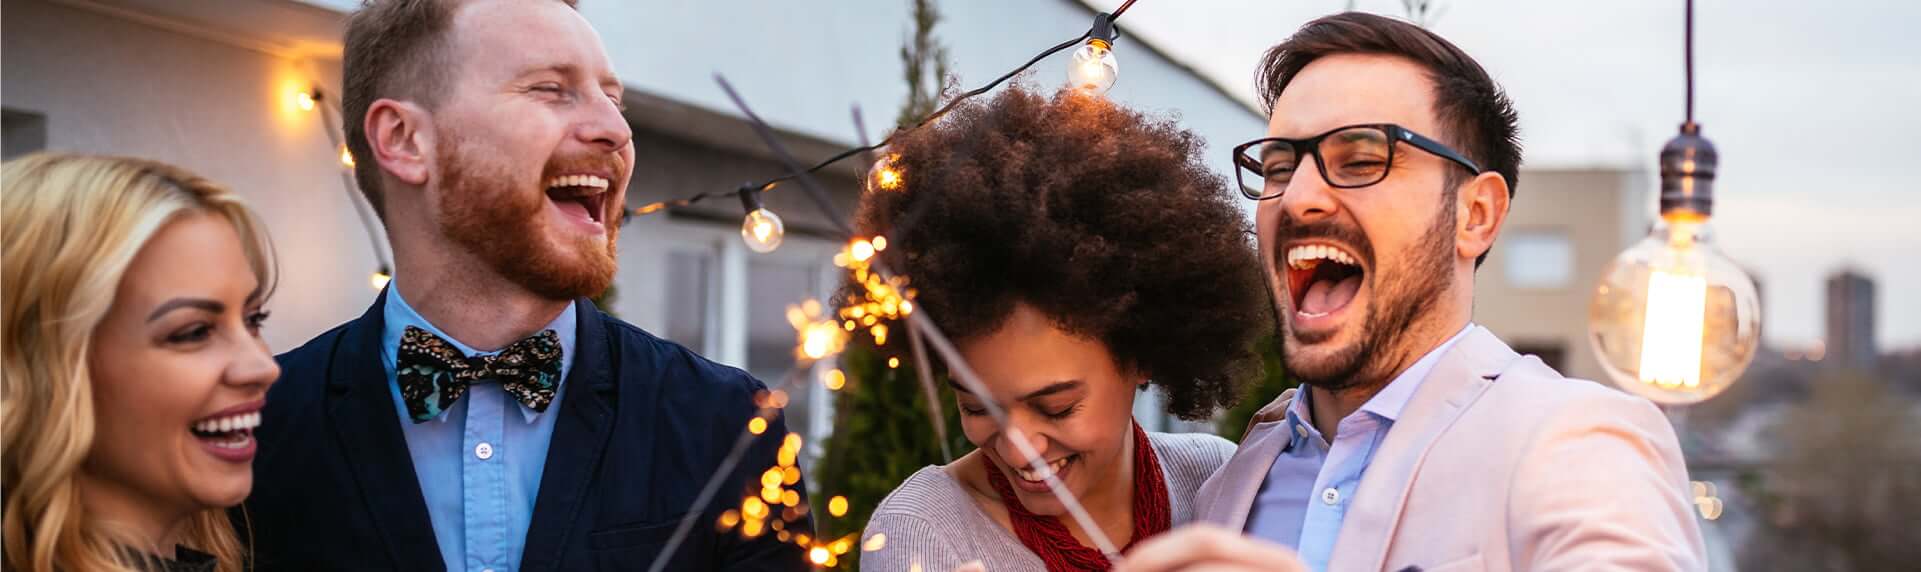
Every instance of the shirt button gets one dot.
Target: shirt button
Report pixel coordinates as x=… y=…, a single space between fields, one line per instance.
x=485 y=451
x=1301 y=430
x=1330 y=496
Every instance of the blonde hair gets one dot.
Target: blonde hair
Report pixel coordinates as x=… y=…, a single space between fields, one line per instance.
x=71 y=226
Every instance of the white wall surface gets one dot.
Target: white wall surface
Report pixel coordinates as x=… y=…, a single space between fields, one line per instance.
x=111 y=85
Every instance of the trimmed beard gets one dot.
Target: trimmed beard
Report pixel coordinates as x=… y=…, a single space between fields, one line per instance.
x=1399 y=298
x=497 y=220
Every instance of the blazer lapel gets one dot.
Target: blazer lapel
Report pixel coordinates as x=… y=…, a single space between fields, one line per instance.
x=360 y=409
x=1461 y=376
x=1240 y=480
x=580 y=438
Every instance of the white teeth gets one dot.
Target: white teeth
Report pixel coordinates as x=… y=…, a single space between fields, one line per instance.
x=239 y=422
x=1305 y=257
x=587 y=181
x=1028 y=473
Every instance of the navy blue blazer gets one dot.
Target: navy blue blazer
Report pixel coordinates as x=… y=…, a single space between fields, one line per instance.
x=643 y=426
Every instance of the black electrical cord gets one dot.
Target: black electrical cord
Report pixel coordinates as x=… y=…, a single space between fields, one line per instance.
x=1101 y=19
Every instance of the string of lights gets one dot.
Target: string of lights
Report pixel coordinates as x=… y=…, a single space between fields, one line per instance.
x=1093 y=69
x=316 y=98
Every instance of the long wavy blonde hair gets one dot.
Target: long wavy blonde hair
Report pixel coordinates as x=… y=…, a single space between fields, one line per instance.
x=71 y=226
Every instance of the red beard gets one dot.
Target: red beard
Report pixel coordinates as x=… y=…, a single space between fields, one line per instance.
x=502 y=223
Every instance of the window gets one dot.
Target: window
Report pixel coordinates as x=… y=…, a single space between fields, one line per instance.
x=689 y=280
x=1539 y=259
x=773 y=284
x=25 y=132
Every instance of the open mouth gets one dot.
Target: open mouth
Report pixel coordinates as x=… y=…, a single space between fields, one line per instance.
x=1322 y=278
x=1035 y=481
x=581 y=197
x=228 y=435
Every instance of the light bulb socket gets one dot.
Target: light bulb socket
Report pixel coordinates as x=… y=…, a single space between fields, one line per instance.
x=1103 y=31
x=750 y=198
x=1687 y=173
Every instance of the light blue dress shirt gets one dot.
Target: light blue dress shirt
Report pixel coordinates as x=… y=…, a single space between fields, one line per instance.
x=1310 y=486
x=479 y=462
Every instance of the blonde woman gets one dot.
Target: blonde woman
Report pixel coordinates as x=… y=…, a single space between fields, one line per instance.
x=134 y=368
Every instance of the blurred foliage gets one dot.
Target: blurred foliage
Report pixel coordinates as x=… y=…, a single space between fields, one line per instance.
x=882 y=433
x=1844 y=491
x=1273 y=381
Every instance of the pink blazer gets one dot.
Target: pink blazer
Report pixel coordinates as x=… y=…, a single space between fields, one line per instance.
x=1498 y=463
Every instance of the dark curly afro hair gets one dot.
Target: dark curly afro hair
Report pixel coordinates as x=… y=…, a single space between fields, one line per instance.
x=1102 y=219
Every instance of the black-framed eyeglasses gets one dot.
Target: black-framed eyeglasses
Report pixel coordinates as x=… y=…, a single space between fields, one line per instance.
x=1348 y=157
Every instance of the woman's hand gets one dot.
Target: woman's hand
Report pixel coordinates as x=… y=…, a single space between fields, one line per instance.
x=1199 y=547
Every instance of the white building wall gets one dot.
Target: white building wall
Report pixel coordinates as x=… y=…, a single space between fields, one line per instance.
x=111 y=85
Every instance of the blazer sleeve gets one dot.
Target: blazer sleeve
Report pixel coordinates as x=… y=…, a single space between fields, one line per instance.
x=1602 y=485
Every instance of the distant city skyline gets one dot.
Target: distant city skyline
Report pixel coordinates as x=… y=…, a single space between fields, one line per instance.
x=1810 y=107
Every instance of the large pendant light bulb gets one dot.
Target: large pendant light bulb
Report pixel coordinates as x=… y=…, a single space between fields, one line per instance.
x=1674 y=320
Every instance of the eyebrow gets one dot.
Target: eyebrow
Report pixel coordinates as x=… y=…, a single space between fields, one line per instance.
x=212 y=306
x=1051 y=389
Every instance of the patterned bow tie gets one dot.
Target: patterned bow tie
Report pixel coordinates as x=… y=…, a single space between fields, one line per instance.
x=433 y=375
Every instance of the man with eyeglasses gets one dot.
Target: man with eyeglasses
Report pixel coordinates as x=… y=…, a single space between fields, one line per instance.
x=1419 y=440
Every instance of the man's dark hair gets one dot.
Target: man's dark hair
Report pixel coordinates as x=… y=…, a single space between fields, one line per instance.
x=1478 y=117
x=394 y=49
x=1105 y=221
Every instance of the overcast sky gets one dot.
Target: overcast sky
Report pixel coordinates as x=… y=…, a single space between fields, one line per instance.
x=1812 y=105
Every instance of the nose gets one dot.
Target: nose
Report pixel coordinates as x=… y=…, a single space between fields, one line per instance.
x=1014 y=453
x=253 y=367
x=604 y=127
x=1308 y=198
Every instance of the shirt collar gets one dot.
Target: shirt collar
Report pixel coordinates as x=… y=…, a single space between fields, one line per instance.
x=1393 y=398
x=1387 y=404
x=398 y=315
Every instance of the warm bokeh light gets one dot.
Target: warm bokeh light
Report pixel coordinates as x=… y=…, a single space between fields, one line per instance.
x=837 y=506
x=836 y=379
x=757 y=426
x=346 y=157
x=379 y=279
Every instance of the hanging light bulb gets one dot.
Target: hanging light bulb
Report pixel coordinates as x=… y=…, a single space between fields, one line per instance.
x=885 y=176
x=346 y=157
x=1673 y=320
x=304 y=100
x=380 y=277
x=1093 y=67
x=761 y=229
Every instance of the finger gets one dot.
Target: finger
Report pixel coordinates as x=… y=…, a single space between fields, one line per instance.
x=1197 y=546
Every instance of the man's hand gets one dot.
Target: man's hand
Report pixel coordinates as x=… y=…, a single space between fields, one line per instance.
x=1201 y=547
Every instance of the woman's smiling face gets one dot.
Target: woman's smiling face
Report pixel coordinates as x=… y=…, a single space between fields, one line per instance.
x=1066 y=394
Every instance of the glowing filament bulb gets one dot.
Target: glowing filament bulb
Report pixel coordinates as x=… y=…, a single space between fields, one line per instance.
x=346 y=157
x=1093 y=68
x=762 y=230
x=304 y=100
x=1671 y=332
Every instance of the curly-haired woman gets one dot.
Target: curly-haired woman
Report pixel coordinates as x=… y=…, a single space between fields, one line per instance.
x=1077 y=253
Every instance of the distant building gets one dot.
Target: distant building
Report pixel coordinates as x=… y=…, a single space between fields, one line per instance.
x=1564 y=226
x=1850 y=334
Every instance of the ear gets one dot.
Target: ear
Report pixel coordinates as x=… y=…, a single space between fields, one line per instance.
x=1480 y=211
x=401 y=136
